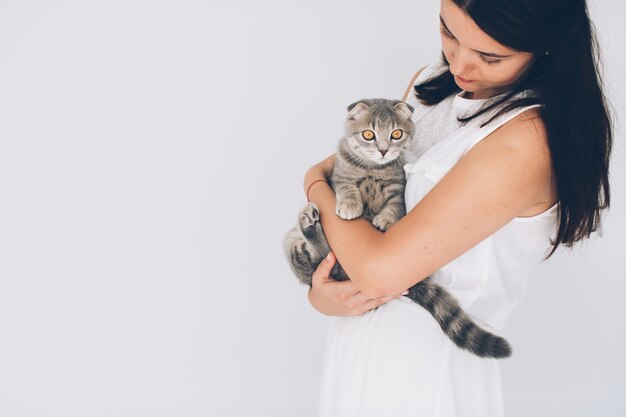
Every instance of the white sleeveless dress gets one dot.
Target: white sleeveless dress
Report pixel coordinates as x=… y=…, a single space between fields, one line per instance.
x=395 y=361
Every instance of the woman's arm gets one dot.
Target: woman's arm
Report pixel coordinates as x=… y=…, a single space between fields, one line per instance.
x=494 y=182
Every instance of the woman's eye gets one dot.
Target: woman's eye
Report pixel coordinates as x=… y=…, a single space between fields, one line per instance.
x=396 y=134
x=445 y=33
x=489 y=62
x=368 y=135
x=448 y=35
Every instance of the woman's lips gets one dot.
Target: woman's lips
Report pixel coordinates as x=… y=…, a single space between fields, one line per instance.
x=463 y=79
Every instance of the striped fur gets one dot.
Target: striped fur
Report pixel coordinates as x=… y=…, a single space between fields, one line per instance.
x=456 y=323
x=369 y=180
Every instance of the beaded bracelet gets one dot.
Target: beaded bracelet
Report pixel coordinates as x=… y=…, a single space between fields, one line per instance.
x=310 y=185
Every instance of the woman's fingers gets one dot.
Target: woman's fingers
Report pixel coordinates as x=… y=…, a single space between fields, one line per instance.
x=327 y=295
x=359 y=303
x=373 y=303
x=322 y=273
x=340 y=298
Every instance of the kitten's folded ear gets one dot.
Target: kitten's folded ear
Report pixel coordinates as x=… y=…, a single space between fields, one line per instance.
x=357 y=108
x=404 y=109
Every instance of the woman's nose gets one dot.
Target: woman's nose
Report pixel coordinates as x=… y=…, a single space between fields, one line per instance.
x=460 y=64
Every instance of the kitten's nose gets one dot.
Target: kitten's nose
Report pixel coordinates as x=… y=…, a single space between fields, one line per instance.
x=383 y=153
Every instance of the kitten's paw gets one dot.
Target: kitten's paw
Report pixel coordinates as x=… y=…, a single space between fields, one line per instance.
x=349 y=209
x=309 y=216
x=383 y=221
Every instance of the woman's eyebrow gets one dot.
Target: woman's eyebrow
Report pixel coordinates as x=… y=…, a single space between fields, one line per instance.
x=489 y=54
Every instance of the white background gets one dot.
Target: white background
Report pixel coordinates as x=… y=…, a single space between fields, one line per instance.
x=151 y=161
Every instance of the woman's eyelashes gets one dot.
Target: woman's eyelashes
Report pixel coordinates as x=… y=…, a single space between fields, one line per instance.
x=448 y=35
x=487 y=61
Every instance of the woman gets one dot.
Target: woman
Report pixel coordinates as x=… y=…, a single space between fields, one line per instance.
x=522 y=139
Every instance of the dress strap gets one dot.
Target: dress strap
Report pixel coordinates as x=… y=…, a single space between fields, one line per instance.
x=485 y=131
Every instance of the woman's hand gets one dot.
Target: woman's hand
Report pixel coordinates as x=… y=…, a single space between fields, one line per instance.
x=340 y=298
x=319 y=171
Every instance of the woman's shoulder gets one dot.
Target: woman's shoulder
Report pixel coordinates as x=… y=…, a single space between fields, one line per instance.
x=524 y=139
x=520 y=127
x=525 y=129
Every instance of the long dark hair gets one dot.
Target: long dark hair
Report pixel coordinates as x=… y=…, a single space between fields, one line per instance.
x=566 y=81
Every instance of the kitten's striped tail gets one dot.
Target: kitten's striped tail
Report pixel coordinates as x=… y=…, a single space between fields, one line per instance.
x=456 y=323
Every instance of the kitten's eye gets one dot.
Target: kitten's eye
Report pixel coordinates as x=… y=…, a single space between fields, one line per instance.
x=367 y=134
x=396 y=134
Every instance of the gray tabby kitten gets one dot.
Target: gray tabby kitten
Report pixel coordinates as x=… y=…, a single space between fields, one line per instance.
x=368 y=179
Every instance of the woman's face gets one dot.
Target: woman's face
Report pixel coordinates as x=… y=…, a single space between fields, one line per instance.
x=478 y=62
